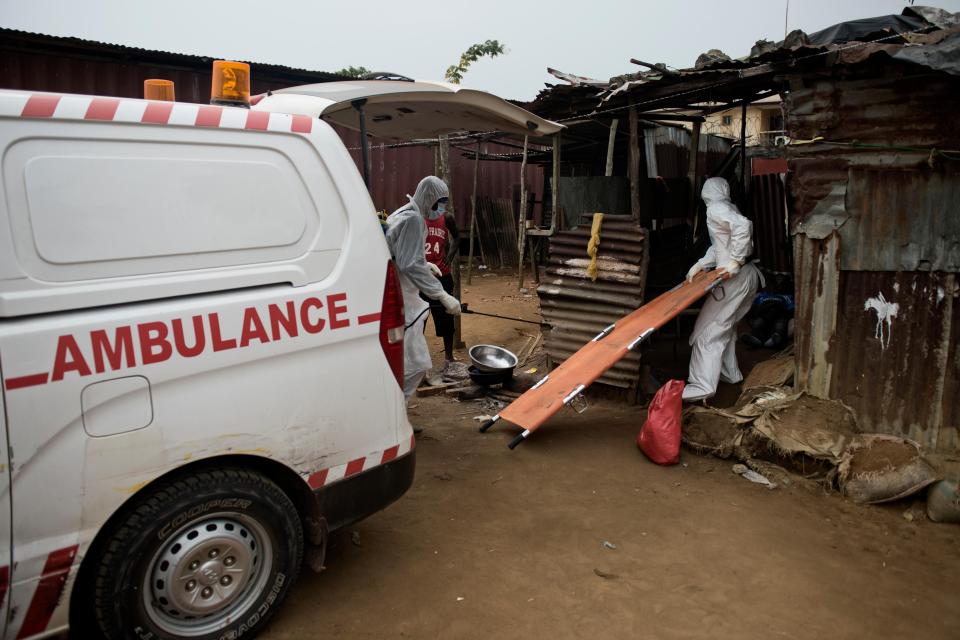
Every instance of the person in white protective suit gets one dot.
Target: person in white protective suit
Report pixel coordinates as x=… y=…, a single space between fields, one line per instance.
x=714 y=337
x=406 y=235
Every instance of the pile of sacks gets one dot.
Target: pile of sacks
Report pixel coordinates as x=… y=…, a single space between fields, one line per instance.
x=774 y=430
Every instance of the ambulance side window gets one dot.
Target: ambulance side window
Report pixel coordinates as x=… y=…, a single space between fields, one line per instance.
x=101 y=202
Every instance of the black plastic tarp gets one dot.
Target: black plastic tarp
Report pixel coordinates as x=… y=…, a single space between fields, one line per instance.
x=943 y=56
x=868 y=29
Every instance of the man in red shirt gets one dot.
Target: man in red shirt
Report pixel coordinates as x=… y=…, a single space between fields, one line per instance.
x=441 y=249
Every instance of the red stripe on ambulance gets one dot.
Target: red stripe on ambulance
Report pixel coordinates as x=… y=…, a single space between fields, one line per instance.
x=328 y=476
x=40 y=106
x=389 y=454
x=257 y=120
x=44 y=105
x=26 y=381
x=354 y=467
x=157 y=113
x=318 y=479
x=302 y=124
x=209 y=116
x=49 y=590
x=368 y=318
x=102 y=109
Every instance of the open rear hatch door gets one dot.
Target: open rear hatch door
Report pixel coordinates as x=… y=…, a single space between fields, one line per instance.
x=408 y=110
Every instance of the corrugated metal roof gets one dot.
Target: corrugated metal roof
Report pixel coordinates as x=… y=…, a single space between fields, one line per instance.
x=728 y=80
x=12 y=38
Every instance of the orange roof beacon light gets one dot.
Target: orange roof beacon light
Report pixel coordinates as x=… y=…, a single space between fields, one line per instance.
x=154 y=89
x=231 y=83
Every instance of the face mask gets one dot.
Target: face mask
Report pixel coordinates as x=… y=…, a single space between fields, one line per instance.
x=439 y=211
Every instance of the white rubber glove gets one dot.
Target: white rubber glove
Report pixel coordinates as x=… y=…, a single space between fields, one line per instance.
x=694 y=270
x=450 y=304
x=434 y=269
x=732 y=268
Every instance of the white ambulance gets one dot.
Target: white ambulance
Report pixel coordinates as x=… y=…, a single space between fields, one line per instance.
x=201 y=353
x=201 y=339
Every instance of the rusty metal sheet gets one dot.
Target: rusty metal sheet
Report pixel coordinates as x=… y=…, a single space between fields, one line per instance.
x=876 y=104
x=576 y=307
x=817 y=283
x=893 y=343
x=902 y=221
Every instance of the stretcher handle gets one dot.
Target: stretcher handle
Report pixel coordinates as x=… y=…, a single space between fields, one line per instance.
x=520 y=438
x=489 y=423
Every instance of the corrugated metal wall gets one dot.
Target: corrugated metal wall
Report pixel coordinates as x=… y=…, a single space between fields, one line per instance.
x=578 y=308
x=877 y=249
x=768 y=211
x=36 y=62
x=890 y=352
x=395 y=172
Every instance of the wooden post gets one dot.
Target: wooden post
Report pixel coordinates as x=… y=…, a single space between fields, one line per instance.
x=522 y=218
x=610 y=145
x=533 y=259
x=692 y=173
x=473 y=214
x=557 y=222
x=444 y=171
x=743 y=158
x=634 y=165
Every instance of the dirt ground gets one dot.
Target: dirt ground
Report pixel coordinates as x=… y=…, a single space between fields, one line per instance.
x=492 y=543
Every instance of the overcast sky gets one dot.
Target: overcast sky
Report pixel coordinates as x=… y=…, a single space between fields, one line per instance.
x=421 y=38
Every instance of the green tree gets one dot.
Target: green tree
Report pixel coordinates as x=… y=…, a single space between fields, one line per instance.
x=353 y=72
x=490 y=48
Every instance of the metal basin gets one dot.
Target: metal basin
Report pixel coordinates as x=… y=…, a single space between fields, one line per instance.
x=487 y=357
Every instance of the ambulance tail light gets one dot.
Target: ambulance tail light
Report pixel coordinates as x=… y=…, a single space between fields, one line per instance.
x=230 y=84
x=155 y=89
x=392 y=323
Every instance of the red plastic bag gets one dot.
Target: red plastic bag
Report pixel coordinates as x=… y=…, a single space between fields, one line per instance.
x=659 y=437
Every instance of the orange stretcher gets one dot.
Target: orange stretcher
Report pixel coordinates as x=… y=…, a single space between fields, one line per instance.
x=562 y=385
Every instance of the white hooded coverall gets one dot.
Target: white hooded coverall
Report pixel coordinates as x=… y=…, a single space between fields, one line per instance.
x=406 y=236
x=714 y=337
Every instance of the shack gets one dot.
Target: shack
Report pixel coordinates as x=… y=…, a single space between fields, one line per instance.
x=872 y=145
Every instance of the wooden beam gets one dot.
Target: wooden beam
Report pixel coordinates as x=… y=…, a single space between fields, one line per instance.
x=670 y=117
x=634 y=168
x=738 y=103
x=610 y=144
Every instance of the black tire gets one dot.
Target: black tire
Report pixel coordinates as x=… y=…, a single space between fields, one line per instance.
x=228 y=509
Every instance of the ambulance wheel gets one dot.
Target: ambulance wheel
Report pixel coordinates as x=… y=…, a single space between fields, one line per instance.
x=209 y=555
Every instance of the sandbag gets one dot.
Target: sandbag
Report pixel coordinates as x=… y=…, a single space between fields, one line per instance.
x=943 y=501
x=709 y=431
x=659 y=438
x=879 y=468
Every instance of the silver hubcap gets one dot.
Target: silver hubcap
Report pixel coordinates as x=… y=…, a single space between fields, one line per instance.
x=207 y=574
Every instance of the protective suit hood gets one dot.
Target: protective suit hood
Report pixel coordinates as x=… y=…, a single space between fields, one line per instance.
x=715 y=191
x=428 y=192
